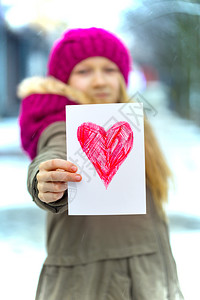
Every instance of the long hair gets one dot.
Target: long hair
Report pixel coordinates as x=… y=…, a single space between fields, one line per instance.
x=156 y=168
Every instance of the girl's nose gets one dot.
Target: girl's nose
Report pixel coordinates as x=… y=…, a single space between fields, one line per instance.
x=99 y=78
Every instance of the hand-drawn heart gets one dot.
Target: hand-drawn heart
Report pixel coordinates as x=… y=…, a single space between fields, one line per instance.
x=106 y=150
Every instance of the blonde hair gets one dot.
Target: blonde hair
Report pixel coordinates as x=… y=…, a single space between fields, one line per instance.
x=156 y=168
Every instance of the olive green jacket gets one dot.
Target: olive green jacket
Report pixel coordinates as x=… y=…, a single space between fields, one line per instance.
x=78 y=240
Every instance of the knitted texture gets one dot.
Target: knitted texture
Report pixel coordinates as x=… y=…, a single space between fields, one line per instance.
x=76 y=45
x=37 y=112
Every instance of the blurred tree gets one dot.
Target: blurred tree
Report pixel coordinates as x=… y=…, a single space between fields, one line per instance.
x=166 y=35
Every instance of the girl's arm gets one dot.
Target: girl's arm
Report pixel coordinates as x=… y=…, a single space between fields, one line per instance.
x=50 y=172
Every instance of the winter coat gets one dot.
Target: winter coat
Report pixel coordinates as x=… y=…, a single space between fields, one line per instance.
x=101 y=257
x=74 y=241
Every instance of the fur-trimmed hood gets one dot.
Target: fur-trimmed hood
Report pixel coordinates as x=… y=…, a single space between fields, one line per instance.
x=50 y=85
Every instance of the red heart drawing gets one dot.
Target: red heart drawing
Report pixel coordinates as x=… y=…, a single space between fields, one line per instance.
x=106 y=150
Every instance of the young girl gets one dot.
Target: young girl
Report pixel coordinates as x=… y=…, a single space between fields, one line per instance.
x=92 y=257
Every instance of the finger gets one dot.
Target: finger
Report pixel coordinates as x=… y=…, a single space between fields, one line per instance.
x=58 y=176
x=50 y=197
x=54 y=164
x=55 y=187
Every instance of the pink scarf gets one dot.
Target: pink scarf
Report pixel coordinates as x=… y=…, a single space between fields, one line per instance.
x=36 y=113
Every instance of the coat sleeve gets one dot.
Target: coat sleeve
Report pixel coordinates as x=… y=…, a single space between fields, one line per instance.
x=52 y=144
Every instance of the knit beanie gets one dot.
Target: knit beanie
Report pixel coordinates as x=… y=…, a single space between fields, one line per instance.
x=76 y=45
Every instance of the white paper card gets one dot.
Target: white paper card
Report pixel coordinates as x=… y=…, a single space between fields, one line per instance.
x=106 y=143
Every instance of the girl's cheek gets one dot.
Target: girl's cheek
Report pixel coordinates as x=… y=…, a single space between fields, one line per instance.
x=83 y=85
x=80 y=84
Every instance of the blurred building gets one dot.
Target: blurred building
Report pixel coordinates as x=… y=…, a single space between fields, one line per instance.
x=22 y=54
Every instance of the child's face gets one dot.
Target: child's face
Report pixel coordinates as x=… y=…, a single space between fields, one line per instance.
x=98 y=78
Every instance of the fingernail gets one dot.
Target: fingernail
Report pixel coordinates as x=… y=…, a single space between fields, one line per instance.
x=78 y=177
x=73 y=168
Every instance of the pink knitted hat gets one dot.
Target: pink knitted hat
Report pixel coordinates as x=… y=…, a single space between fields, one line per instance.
x=76 y=45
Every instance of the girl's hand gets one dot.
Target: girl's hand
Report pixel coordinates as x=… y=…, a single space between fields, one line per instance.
x=53 y=177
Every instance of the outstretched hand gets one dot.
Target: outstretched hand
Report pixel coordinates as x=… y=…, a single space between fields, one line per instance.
x=53 y=177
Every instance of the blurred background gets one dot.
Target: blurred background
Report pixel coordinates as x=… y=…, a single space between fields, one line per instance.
x=164 y=38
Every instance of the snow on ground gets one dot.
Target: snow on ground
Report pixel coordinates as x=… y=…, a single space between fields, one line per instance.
x=22 y=233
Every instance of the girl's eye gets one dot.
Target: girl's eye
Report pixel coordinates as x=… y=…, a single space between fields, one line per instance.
x=83 y=71
x=110 y=70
